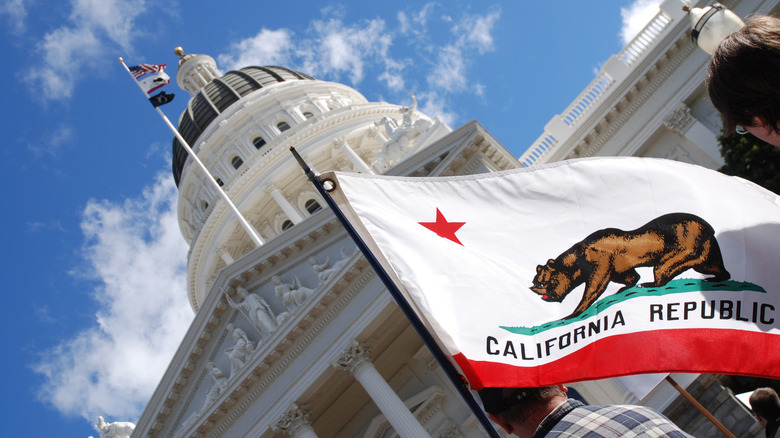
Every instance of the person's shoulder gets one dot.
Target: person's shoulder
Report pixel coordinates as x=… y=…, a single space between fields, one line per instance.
x=640 y=420
x=636 y=411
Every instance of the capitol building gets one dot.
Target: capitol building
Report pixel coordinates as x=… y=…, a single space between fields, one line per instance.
x=295 y=335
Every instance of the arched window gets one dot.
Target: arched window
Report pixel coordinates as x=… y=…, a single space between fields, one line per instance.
x=287 y=224
x=258 y=142
x=312 y=206
x=236 y=162
x=283 y=126
x=219 y=181
x=204 y=205
x=308 y=114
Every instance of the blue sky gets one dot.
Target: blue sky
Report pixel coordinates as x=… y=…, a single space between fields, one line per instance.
x=93 y=260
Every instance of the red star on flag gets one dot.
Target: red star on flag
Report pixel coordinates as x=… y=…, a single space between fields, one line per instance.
x=443 y=228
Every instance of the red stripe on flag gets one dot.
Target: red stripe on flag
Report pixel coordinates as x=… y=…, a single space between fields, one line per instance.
x=709 y=351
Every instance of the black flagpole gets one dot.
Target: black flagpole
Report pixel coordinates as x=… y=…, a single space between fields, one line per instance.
x=459 y=381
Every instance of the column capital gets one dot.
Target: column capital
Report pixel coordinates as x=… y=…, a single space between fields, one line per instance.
x=293 y=421
x=356 y=357
x=680 y=119
x=339 y=142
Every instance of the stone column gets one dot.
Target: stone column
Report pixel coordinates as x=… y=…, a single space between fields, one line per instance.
x=285 y=205
x=341 y=144
x=224 y=254
x=295 y=423
x=204 y=81
x=355 y=360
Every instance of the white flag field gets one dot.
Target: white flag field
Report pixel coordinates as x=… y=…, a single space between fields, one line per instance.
x=583 y=269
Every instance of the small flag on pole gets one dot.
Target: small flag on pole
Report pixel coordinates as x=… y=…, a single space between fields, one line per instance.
x=139 y=70
x=161 y=98
x=581 y=270
x=154 y=81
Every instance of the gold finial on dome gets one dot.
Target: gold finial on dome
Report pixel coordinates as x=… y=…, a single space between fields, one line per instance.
x=178 y=51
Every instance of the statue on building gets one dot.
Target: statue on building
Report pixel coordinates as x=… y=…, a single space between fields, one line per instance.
x=408 y=113
x=324 y=270
x=292 y=295
x=240 y=351
x=219 y=386
x=256 y=309
x=116 y=429
x=399 y=137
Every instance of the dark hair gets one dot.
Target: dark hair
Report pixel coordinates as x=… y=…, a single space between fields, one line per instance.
x=766 y=403
x=742 y=77
x=515 y=404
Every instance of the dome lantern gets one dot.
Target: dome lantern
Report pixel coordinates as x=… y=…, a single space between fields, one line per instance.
x=195 y=71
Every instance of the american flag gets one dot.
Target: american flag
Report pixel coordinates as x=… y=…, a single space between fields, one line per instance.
x=142 y=69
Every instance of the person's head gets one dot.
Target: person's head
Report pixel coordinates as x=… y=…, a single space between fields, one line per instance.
x=765 y=404
x=742 y=79
x=520 y=410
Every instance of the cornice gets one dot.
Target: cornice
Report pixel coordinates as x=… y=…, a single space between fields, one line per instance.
x=586 y=148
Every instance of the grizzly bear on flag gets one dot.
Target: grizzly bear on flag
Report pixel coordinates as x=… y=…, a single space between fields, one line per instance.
x=671 y=244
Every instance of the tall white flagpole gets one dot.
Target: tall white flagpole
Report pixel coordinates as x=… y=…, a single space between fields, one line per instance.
x=246 y=225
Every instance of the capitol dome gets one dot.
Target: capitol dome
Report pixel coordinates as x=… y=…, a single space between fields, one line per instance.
x=216 y=96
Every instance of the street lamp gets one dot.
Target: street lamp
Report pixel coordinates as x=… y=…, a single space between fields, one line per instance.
x=711 y=24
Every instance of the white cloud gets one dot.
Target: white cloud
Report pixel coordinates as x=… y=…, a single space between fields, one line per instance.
x=346 y=48
x=393 y=81
x=417 y=22
x=636 y=16
x=94 y=24
x=268 y=47
x=330 y=49
x=16 y=14
x=115 y=18
x=449 y=73
x=53 y=141
x=137 y=256
x=473 y=32
x=61 y=49
x=434 y=105
x=477 y=31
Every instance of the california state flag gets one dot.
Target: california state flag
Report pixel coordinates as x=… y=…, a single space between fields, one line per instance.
x=583 y=269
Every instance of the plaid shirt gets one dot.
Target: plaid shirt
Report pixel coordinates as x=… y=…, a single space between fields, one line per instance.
x=573 y=419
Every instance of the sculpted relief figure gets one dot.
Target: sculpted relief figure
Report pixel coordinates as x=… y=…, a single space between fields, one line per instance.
x=292 y=295
x=219 y=386
x=325 y=271
x=240 y=351
x=116 y=429
x=256 y=309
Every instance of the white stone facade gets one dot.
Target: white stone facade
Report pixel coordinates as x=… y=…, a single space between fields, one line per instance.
x=291 y=373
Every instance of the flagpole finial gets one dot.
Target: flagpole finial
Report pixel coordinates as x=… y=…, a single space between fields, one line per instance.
x=178 y=51
x=121 y=60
